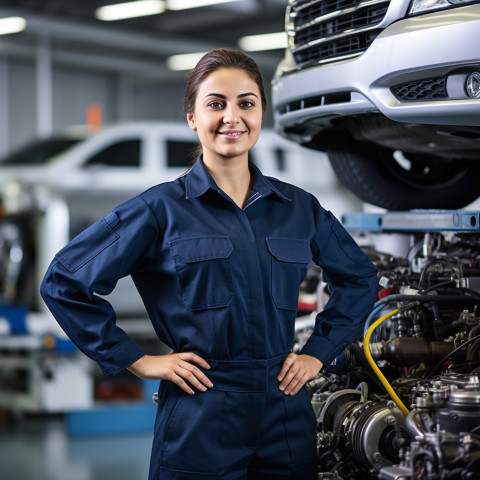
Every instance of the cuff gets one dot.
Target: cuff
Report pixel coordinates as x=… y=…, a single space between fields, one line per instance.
x=322 y=349
x=120 y=357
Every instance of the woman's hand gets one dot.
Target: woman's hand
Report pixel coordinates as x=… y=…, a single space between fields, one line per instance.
x=296 y=371
x=175 y=367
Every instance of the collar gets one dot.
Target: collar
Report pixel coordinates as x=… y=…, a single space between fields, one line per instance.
x=198 y=181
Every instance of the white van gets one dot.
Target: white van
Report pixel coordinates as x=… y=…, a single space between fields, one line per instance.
x=124 y=159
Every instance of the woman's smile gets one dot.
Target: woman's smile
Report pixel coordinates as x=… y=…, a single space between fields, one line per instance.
x=232 y=134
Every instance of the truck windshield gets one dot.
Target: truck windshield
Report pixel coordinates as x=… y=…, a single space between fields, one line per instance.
x=38 y=152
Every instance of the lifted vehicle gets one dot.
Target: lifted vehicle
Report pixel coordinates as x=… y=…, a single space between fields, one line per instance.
x=390 y=90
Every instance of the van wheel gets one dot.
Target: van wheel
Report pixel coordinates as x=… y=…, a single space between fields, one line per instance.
x=399 y=181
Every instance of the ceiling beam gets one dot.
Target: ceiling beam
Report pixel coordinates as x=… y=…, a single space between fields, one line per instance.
x=147 y=51
x=105 y=34
x=138 y=68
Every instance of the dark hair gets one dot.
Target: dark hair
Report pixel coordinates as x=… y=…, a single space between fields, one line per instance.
x=214 y=60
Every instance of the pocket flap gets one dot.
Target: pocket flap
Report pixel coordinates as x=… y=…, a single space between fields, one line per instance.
x=197 y=249
x=291 y=250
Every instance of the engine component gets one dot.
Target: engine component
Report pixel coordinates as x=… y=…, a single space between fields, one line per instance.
x=423 y=340
x=372 y=433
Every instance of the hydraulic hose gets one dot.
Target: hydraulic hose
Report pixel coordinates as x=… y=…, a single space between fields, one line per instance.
x=368 y=355
x=371 y=316
x=428 y=298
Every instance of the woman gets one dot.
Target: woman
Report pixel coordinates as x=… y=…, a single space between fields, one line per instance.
x=218 y=256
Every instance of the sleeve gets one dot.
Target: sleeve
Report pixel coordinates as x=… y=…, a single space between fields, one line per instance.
x=352 y=282
x=90 y=265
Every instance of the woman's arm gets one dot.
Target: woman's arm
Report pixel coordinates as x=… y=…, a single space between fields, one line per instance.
x=89 y=268
x=352 y=282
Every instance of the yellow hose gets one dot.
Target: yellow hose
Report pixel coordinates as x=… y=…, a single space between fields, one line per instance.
x=378 y=373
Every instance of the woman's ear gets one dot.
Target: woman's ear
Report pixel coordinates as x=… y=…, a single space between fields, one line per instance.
x=191 y=121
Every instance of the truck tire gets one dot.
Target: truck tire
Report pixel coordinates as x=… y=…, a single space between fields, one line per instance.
x=373 y=174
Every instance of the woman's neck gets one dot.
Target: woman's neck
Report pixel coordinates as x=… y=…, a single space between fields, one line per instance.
x=232 y=175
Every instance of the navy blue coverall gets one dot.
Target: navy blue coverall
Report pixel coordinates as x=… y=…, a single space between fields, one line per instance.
x=222 y=282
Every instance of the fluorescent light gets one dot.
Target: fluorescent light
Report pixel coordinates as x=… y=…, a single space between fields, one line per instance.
x=138 y=8
x=267 y=41
x=185 y=4
x=186 y=61
x=12 y=25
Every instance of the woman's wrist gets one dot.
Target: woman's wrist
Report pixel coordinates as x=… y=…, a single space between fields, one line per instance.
x=138 y=367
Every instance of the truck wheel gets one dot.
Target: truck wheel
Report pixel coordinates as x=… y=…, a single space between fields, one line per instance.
x=397 y=181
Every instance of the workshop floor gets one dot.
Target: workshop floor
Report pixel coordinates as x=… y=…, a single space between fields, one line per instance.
x=40 y=449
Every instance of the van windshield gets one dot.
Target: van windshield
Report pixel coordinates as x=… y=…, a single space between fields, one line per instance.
x=38 y=152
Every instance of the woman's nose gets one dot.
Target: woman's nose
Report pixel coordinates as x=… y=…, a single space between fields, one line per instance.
x=231 y=115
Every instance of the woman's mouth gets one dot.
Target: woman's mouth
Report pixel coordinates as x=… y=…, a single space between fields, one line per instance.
x=231 y=134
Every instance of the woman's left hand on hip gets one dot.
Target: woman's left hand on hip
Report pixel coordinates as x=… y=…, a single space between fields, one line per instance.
x=296 y=371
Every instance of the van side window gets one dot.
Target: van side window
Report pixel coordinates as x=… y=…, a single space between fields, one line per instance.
x=180 y=153
x=280 y=159
x=121 y=154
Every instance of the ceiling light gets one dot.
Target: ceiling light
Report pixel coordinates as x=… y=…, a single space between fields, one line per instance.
x=186 y=61
x=185 y=4
x=267 y=41
x=12 y=25
x=138 y=8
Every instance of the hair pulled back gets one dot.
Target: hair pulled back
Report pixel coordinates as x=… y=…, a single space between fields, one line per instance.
x=215 y=60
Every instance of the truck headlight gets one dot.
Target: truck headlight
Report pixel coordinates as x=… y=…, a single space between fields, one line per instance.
x=422 y=6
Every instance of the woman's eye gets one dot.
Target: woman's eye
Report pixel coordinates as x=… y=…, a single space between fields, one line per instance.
x=247 y=104
x=215 y=104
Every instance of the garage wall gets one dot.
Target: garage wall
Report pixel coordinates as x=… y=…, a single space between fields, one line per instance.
x=151 y=102
x=122 y=98
x=21 y=108
x=74 y=91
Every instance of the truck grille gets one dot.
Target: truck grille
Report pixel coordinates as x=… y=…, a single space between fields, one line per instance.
x=327 y=30
x=427 y=89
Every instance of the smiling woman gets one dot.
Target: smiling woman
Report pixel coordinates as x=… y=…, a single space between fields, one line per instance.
x=228 y=119
x=224 y=102
x=218 y=256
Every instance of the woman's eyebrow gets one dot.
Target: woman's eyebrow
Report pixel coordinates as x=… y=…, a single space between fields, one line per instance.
x=241 y=95
x=246 y=95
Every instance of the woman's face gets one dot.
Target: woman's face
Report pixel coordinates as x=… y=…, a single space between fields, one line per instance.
x=228 y=114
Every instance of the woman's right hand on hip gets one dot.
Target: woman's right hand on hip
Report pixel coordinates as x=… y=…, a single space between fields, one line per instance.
x=178 y=368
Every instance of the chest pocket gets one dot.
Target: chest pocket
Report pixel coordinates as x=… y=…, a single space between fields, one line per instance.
x=290 y=259
x=204 y=271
